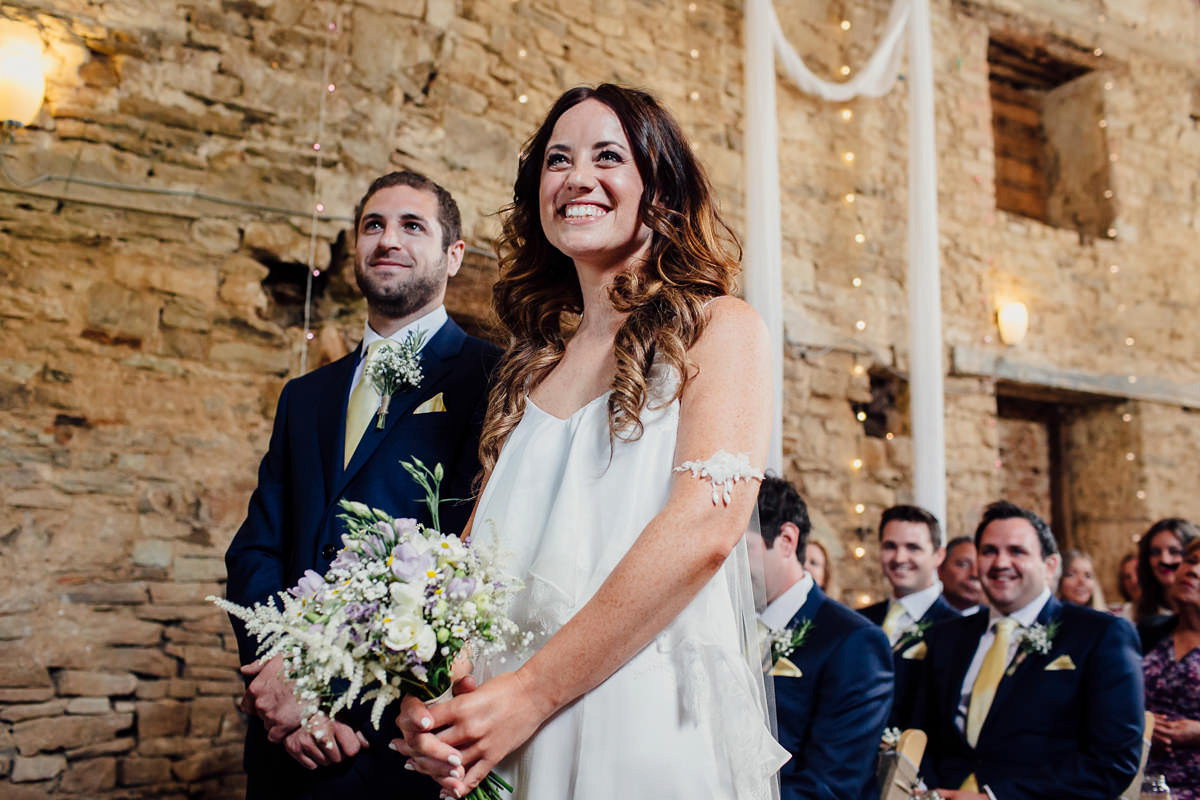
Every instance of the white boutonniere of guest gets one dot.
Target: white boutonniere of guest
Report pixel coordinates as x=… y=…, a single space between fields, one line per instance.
x=1037 y=638
x=889 y=739
x=723 y=470
x=395 y=366
x=911 y=634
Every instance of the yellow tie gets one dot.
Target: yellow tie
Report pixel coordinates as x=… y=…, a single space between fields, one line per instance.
x=984 y=690
x=364 y=401
x=891 y=623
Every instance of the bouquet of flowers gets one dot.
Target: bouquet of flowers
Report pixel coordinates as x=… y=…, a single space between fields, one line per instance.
x=398 y=604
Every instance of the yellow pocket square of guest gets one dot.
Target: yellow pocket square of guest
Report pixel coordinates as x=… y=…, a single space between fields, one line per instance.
x=432 y=405
x=916 y=652
x=784 y=668
x=1062 y=662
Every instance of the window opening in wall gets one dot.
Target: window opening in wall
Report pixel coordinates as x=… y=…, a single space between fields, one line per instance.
x=886 y=412
x=1049 y=133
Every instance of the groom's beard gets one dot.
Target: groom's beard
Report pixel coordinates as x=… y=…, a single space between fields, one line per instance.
x=401 y=299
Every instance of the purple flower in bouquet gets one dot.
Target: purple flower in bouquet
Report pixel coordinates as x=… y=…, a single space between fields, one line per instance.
x=309 y=586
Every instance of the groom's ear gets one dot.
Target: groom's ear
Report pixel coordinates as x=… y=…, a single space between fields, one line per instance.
x=788 y=538
x=454 y=257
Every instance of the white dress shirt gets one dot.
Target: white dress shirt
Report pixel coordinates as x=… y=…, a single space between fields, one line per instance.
x=915 y=605
x=779 y=612
x=430 y=324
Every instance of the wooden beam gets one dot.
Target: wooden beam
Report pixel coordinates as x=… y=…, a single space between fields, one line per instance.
x=970 y=361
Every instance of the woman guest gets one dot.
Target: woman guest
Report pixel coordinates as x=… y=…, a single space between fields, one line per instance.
x=1127 y=585
x=622 y=447
x=817 y=564
x=1078 y=584
x=1172 y=672
x=1160 y=551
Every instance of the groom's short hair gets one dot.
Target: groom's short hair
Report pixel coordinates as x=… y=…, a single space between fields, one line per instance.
x=449 y=217
x=779 y=502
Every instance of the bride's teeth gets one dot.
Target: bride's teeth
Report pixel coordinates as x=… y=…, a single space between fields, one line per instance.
x=584 y=211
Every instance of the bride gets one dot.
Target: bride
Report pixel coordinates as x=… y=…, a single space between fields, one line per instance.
x=622 y=443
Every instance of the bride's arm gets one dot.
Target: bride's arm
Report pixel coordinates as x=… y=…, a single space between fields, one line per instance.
x=726 y=406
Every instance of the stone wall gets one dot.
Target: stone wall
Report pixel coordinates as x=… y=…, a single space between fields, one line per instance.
x=144 y=337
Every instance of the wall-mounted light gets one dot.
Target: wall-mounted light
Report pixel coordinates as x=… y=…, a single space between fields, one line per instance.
x=1012 y=318
x=22 y=83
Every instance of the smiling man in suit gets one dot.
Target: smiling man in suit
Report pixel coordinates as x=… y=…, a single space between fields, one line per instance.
x=333 y=441
x=910 y=552
x=833 y=678
x=1034 y=699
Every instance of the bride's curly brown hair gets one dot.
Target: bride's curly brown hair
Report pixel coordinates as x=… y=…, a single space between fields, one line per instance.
x=693 y=257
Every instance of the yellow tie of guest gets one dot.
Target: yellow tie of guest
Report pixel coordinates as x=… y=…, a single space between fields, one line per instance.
x=984 y=690
x=364 y=402
x=891 y=623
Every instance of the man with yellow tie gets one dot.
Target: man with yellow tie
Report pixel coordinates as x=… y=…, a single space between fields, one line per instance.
x=416 y=388
x=910 y=551
x=1035 y=700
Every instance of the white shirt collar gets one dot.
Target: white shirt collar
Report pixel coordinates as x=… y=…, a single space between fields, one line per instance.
x=430 y=323
x=917 y=603
x=779 y=612
x=1024 y=616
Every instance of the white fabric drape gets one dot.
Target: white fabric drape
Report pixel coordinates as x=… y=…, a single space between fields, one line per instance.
x=764 y=287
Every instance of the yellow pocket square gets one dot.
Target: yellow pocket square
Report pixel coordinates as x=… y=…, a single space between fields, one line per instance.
x=1062 y=662
x=916 y=652
x=431 y=406
x=783 y=668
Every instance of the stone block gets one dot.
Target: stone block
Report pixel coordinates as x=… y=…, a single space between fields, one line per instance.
x=140 y=771
x=35 y=695
x=199 y=656
x=152 y=553
x=98 y=594
x=193 y=568
x=36 y=768
x=22 y=672
x=19 y=713
x=216 y=235
x=121 y=315
x=116 y=746
x=213 y=761
x=187 y=313
x=270 y=360
x=89 y=776
x=206 y=714
x=161 y=718
x=54 y=733
x=89 y=705
x=95 y=684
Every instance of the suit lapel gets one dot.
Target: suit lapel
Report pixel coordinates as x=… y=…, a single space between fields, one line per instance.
x=963 y=653
x=331 y=418
x=1031 y=664
x=437 y=359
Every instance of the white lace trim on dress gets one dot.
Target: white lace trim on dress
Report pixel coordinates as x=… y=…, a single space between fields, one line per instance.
x=723 y=470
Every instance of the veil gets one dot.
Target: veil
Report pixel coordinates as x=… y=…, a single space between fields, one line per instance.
x=748 y=589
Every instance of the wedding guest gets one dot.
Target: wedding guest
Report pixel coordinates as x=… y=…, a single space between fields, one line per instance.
x=1127 y=585
x=960 y=578
x=1172 y=671
x=910 y=552
x=633 y=376
x=817 y=564
x=832 y=671
x=1036 y=698
x=1078 y=584
x=325 y=448
x=1160 y=551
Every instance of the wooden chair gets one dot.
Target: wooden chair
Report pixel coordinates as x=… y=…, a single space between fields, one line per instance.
x=1134 y=792
x=897 y=771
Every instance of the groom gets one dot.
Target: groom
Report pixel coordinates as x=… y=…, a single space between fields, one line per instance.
x=326 y=446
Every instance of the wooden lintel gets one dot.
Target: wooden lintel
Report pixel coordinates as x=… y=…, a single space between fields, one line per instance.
x=968 y=361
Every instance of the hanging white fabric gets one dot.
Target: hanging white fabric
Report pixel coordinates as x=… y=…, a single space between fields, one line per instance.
x=763 y=257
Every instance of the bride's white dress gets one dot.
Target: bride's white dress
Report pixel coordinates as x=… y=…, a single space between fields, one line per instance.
x=685 y=717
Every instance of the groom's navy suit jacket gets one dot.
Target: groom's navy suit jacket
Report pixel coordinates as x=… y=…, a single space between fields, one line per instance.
x=291 y=525
x=1064 y=724
x=831 y=717
x=906 y=667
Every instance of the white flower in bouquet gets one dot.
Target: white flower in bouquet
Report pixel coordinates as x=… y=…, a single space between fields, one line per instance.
x=397 y=605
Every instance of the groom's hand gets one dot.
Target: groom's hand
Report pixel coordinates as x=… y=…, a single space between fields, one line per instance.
x=269 y=697
x=329 y=742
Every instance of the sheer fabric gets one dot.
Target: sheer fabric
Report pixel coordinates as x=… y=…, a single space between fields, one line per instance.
x=687 y=715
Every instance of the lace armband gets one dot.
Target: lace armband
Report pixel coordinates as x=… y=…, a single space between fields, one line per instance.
x=723 y=470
